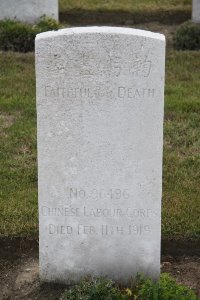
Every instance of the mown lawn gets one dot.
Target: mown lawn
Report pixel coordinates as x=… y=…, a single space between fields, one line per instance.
x=125 y=5
x=181 y=188
x=18 y=171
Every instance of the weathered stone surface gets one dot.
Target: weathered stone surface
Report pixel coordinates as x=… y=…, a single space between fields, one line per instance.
x=196 y=11
x=28 y=11
x=100 y=93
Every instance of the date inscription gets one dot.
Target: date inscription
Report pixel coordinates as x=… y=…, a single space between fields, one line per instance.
x=102 y=230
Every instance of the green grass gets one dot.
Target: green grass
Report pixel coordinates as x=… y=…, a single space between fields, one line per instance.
x=18 y=172
x=100 y=288
x=125 y=5
x=181 y=194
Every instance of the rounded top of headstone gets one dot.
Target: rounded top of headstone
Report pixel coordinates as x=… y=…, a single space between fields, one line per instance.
x=100 y=29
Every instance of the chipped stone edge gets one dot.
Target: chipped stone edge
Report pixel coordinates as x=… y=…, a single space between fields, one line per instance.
x=101 y=29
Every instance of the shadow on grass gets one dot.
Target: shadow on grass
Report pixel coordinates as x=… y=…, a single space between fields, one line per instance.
x=120 y=17
x=12 y=247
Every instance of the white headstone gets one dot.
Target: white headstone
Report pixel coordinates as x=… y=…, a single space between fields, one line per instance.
x=29 y=11
x=196 y=11
x=100 y=93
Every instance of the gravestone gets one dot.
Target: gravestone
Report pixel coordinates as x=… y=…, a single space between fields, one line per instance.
x=100 y=93
x=29 y=11
x=196 y=11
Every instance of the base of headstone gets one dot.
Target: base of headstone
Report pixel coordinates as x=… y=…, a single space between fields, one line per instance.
x=29 y=11
x=196 y=11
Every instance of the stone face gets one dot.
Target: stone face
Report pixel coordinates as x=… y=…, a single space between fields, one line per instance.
x=196 y=11
x=28 y=10
x=100 y=93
